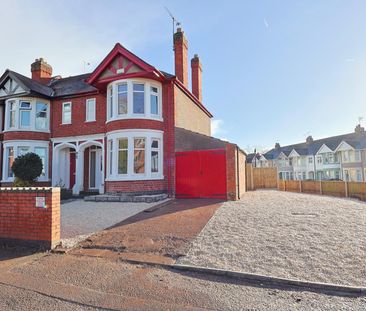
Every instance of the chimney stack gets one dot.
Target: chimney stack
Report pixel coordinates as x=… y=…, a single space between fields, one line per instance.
x=181 y=56
x=359 y=129
x=277 y=146
x=309 y=139
x=196 y=67
x=41 y=71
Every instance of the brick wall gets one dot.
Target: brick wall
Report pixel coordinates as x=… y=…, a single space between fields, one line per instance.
x=188 y=115
x=22 y=223
x=236 y=176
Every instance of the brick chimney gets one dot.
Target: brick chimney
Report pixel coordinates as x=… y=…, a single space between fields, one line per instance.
x=41 y=71
x=181 y=56
x=196 y=67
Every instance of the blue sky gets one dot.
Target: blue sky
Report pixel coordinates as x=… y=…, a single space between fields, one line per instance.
x=272 y=70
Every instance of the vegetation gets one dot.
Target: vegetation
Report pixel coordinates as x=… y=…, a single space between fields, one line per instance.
x=27 y=168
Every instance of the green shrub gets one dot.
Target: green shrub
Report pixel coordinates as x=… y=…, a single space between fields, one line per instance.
x=27 y=168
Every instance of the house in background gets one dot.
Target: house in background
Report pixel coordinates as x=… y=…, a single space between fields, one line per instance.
x=340 y=157
x=112 y=130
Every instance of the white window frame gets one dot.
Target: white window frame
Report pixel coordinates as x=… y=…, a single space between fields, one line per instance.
x=28 y=110
x=90 y=114
x=33 y=114
x=149 y=135
x=63 y=112
x=112 y=100
x=31 y=144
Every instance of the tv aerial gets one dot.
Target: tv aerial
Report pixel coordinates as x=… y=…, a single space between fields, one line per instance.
x=175 y=22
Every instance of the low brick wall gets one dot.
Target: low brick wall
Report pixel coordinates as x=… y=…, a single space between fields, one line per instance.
x=30 y=217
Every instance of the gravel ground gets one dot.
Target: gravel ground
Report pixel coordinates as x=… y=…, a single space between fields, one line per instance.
x=307 y=237
x=83 y=218
x=163 y=289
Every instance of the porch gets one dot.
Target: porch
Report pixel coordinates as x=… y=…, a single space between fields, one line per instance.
x=79 y=165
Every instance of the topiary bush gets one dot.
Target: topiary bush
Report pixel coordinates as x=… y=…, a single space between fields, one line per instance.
x=27 y=168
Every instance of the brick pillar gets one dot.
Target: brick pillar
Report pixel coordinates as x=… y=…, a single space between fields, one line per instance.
x=196 y=67
x=181 y=56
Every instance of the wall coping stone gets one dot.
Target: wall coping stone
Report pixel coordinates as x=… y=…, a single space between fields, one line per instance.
x=30 y=189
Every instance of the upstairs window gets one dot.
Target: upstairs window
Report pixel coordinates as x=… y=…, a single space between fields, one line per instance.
x=310 y=160
x=66 y=113
x=90 y=110
x=41 y=116
x=135 y=99
x=25 y=114
x=154 y=100
x=122 y=99
x=12 y=112
x=138 y=98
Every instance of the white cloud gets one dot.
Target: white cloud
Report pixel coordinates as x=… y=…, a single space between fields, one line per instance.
x=66 y=34
x=216 y=127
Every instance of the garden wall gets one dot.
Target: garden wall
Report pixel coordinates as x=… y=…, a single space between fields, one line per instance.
x=30 y=217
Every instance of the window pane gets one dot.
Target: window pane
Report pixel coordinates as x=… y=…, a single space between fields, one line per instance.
x=155 y=144
x=139 y=155
x=139 y=143
x=110 y=157
x=122 y=161
x=154 y=161
x=25 y=105
x=138 y=87
x=25 y=118
x=90 y=110
x=22 y=150
x=138 y=102
x=122 y=103
x=10 y=154
x=123 y=143
x=139 y=161
x=42 y=153
x=154 y=104
x=122 y=88
x=41 y=116
x=111 y=102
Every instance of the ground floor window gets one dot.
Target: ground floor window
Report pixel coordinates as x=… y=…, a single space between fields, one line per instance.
x=14 y=149
x=135 y=155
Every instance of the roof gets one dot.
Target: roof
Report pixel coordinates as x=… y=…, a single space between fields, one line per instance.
x=71 y=86
x=356 y=139
x=250 y=157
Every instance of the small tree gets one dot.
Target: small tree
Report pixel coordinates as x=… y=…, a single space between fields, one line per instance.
x=27 y=168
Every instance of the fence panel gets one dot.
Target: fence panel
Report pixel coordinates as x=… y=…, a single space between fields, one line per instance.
x=357 y=190
x=293 y=185
x=261 y=177
x=311 y=186
x=334 y=188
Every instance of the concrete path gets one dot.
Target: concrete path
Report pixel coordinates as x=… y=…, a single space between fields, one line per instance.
x=81 y=218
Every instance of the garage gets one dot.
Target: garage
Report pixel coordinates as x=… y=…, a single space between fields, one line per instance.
x=201 y=174
x=207 y=167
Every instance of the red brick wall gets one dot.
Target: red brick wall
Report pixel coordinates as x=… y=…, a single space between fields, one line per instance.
x=21 y=222
x=26 y=135
x=138 y=186
x=78 y=126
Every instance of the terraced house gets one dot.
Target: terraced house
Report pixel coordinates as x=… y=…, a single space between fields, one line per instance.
x=340 y=157
x=111 y=130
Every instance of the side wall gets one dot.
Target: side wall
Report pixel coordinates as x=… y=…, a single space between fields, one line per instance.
x=189 y=116
x=23 y=223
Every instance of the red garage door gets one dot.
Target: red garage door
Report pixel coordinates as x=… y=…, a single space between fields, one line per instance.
x=201 y=174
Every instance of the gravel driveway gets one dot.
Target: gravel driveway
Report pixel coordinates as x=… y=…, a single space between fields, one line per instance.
x=307 y=237
x=80 y=218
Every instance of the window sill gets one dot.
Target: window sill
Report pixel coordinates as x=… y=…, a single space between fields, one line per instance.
x=26 y=130
x=90 y=121
x=134 y=178
x=143 y=117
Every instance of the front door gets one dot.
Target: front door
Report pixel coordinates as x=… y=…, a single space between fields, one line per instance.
x=95 y=169
x=72 y=169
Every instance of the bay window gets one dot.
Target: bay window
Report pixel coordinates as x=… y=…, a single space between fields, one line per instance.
x=135 y=155
x=16 y=148
x=27 y=114
x=134 y=98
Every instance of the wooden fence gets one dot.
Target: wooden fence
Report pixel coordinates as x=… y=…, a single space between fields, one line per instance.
x=332 y=188
x=261 y=177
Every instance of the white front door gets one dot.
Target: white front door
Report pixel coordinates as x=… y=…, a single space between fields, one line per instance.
x=95 y=169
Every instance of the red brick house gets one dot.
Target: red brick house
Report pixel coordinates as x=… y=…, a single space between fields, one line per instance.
x=112 y=130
